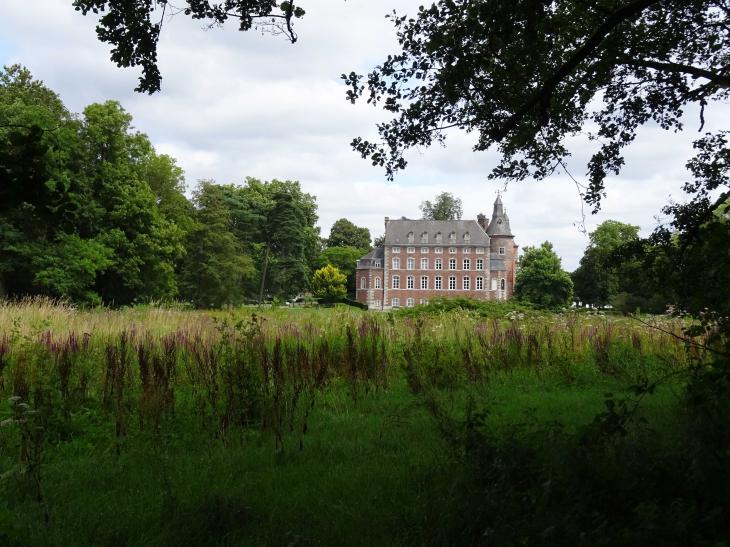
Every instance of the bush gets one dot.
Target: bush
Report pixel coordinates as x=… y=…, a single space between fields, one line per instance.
x=488 y=308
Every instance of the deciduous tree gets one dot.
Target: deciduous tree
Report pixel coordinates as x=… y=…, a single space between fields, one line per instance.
x=541 y=279
x=444 y=207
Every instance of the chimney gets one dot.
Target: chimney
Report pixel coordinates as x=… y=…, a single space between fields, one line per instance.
x=386 y=222
x=482 y=221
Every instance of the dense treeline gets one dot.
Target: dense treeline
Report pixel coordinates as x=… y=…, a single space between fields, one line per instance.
x=91 y=212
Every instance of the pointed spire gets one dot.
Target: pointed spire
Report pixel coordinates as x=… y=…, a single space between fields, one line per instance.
x=499 y=226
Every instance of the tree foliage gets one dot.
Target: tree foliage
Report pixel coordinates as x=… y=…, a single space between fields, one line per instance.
x=444 y=207
x=133 y=29
x=345 y=233
x=328 y=283
x=526 y=75
x=541 y=279
x=345 y=260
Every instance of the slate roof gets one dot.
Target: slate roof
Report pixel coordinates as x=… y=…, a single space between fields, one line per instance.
x=367 y=261
x=397 y=230
x=499 y=225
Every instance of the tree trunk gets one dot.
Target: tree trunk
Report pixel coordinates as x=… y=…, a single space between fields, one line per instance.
x=263 y=275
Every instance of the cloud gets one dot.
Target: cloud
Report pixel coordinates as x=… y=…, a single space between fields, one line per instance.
x=240 y=104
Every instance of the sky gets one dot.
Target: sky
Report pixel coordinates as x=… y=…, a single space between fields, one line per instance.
x=235 y=105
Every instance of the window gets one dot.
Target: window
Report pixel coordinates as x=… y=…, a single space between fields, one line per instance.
x=438 y=250
x=424 y=237
x=467 y=264
x=452 y=263
x=452 y=283
x=438 y=237
x=466 y=283
x=501 y=284
x=396 y=302
x=424 y=263
x=480 y=264
x=467 y=237
x=437 y=283
x=377 y=263
x=424 y=282
x=438 y=264
x=452 y=237
x=396 y=263
x=409 y=302
x=376 y=303
x=377 y=282
x=480 y=250
x=410 y=237
x=411 y=250
x=411 y=262
x=480 y=284
x=424 y=250
x=501 y=250
x=395 y=283
x=494 y=284
x=466 y=250
x=363 y=283
x=410 y=282
x=452 y=250
x=423 y=301
x=396 y=249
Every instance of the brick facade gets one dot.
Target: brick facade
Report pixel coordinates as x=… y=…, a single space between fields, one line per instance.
x=424 y=259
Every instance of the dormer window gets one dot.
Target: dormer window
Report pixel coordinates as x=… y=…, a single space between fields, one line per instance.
x=467 y=237
x=410 y=237
x=452 y=237
x=438 y=237
x=424 y=237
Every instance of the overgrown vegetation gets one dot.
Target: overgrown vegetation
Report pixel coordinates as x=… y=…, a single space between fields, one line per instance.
x=452 y=425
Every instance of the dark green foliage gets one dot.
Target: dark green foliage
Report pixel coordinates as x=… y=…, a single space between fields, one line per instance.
x=133 y=30
x=345 y=234
x=541 y=279
x=489 y=308
x=444 y=207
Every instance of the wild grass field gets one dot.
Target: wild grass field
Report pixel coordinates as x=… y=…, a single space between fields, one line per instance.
x=160 y=426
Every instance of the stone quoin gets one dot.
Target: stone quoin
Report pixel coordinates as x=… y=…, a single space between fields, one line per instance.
x=423 y=259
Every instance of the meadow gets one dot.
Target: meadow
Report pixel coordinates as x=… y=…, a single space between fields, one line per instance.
x=163 y=426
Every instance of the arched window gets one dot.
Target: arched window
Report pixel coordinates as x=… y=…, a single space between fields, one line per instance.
x=502 y=284
x=410 y=237
x=377 y=282
x=363 y=283
x=467 y=237
x=424 y=237
x=438 y=237
x=452 y=237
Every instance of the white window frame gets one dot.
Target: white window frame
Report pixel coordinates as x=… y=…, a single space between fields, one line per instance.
x=377 y=263
x=502 y=284
x=423 y=301
x=438 y=282
x=480 y=250
x=466 y=283
x=424 y=250
x=410 y=302
x=411 y=263
x=424 y=237
x=410 y=250
x=411 y=237
x=439 y=237
x=377 y=282
x=363 y=282
x=396 y=263
x=410 y=282
x=438 y=264
x=480 y=264
x=424 y=282
x=395 y=303
x=501 y=250
x=467 y=237
x=395 y=250
x=395 y=282
x=424 y=263
x=479 y=285
x=452 y=282
x=452 y=237
x=452 y=250
x=439 y=250
x=452 y=264
x=466 y=250
x=466 y=264
x=494 y=283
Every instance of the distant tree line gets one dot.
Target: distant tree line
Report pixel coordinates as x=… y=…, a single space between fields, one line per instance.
x=89 y=211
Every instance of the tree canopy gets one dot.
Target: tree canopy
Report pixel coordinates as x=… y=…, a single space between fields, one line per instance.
x=541 y=279
x=345 y=233
x=133 y=29
x=526 y=75
x=444 y=207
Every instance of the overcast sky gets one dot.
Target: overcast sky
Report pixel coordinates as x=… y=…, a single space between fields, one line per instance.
x=241 y=104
